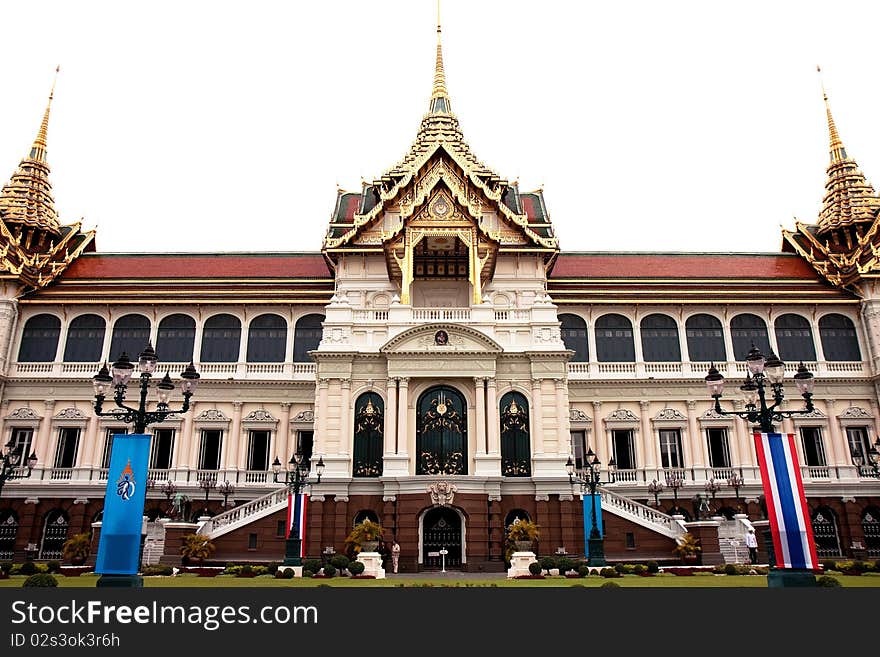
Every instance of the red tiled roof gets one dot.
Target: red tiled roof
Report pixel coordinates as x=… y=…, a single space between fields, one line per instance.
x=528 y=206
x=669 y=265
x=220 y=265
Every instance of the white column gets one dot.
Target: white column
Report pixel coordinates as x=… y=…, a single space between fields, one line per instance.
x=230 y=459
x=88 y=449
x=8 y=324
x=481 y=435
x=45 y=453
x=492 y=424
x=345 y=418
x=563 y=437
x=650 y=447
x=282 y=435
x=194 y=436
x=390 y=428
x=743 y=437
x=599 y=442
x=537 y=418
x=837 y=447
x=320 y=440
x=698 y=445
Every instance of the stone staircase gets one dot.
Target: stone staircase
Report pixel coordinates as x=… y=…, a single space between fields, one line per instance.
x=154 y=544
x=641 y=514
x=245 y=514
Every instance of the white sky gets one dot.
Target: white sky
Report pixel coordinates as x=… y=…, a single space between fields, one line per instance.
x=221 y=126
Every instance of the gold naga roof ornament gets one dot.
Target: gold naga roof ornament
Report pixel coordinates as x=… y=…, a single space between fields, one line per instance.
x=842 y=245
x=36 y=247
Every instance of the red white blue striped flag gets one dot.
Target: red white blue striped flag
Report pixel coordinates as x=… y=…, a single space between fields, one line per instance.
x=296 y=513
x=790 y=524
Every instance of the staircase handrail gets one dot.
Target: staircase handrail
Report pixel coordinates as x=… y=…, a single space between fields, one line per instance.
x=244 y=511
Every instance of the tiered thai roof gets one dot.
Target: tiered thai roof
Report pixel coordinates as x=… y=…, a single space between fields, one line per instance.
x=34 y=247
x=843 y=245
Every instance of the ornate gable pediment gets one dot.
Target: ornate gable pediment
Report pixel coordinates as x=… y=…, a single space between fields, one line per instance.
x=442 y=340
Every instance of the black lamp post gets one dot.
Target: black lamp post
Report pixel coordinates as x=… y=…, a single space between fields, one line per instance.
x=762 y=372
x=871 y=460
x=674 y=482
x=11 y=465
x=122 y=371
x=736 y=482
x=589 y=477
x=655 y=488
x=206 y=484
x=226 y=489
x=712 y=487
x=296 y=478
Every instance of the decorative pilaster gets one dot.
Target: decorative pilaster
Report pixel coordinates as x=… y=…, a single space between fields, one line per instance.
x=320 y=440
x=282 y=436
x=563 y=437
x=537 y=417
x=650 y=445
x=89 y=450
x=698 y=445
x=390 y=436
x=186 y=451
x=837 y=447
x=8 y=323
x=600 y=441
x=345 y=417
x=481 y=433
x=492 y=424
x=45 y=443
x=230 y=451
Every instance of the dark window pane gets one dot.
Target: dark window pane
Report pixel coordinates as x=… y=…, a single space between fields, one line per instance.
x=747 y=330
x=306 y=337
x=175 y=339
x=258 y=450
x=209 y=457
x=574 y=335
x=65 y=453
x=660 y=339
x=794 y=337
x=85 y=339
x=163 y=449
x=221 y=339
x=614 y=340
x=368 y=435
x=719 y=454
x=305 y=441
x=705 y=339
x=39 y=339
x=267 y=339
x=130 y=335
x=838 y=335
x=814 y=451
x=624 y=453
x=516 y=456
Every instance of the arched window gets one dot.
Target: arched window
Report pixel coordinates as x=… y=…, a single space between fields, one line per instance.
x=705 y=339
x=794 y=337
x=267 y=339
x=306 y=337
x=369 y=416
x=176 y=338
x=131 y=334
x=614 y=340
x=838 y=335
x=871 y=530
x=221 y=339
x=54 y=535
x=747 y=330
x=825 y=533
x=365 y=514
x=39 y=339
x=574 y=335
x=514 y=515
x=516 y=456
x=8 y=534
x=85 y=339
x=441 y=432
x=660 y=339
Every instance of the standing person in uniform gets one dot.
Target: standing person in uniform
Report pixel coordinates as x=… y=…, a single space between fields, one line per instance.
x=395 y=555
x=752 y=544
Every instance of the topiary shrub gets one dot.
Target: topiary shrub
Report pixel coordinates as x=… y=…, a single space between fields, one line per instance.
x=535 y=568
x=639 y=569
x=565 y=564
x=27 y=568
x=830 y=565
x=609 y=572
x=828 y=581
x=53 y=566
x=548 y=562
x=272 y=568
x=609 y=585
x=620 y=568
x=6 y=567
x=583 y=571
x=41 y=579
x=653 y=567
x=340 y=562
x=730 y=569
x=306 y=573
x=157 y=570
x=313 y=565
x=329 y=570
x=356 y=567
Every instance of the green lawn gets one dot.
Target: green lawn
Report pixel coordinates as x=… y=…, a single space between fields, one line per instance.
x=695 y=581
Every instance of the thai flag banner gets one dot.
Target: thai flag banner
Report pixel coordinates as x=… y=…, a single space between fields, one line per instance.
x=790 y=525
x=296 y=515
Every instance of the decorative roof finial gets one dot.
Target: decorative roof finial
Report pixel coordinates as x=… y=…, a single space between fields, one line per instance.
x=838 y=152
x=439 y=95
x=38 y=150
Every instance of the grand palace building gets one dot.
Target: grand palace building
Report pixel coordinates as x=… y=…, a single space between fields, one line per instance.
x=444 y=359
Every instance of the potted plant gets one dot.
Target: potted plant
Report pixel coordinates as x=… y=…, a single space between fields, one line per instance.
x=76 y=548
x=688 y=549
x=364 y=537
x=521 y=536
x=196 y=547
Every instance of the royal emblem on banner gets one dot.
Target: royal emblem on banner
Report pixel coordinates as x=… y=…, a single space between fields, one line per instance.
x=125 y=485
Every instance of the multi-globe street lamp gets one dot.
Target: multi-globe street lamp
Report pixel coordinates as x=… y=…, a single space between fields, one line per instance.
x=11 y=466
x=870 y=460
x=736 y=482
x=674 y=482
x=655 y=488
x=226 y=489
x=296 y=478
x=590 y=478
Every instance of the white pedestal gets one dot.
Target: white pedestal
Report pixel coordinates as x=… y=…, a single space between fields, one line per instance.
x=519 y=564
x=372 y=564
x=297 y=570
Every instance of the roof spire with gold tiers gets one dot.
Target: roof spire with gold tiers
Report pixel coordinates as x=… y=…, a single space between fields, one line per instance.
x=843 y=245
x=34 y=247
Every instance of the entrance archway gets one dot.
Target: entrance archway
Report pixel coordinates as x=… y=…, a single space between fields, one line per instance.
x=442 y=529
x=441 y=439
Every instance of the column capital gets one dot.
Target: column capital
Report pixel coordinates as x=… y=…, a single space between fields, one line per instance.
x=536 y=383
x=691 y=404
x=403 y=381
x=597 y=405
x=491 y=381
x=346 y=384
x=644 y=405
x=286 y=405
x=323 y=382
x=49 y=404
x=479 y=379
x=237 y=405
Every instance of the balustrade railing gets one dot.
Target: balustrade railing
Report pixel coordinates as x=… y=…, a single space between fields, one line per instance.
x=242 y=513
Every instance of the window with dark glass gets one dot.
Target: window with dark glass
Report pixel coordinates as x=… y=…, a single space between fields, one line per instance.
x=670 y=448
x=163 y=449
x=516 y=456
x=747 y=330
x=814 y=449
x=252 y=541
x=258 y=450
x=838 y=335
x=660 y=339
x=267 y=339
x=305 y=441
x=65 y=453
x=705 y=339
x=85 y=339
x=55 y=529
x=574 y=336
x=209 y=451
x=441 y=432
x=8 y=534
x=176 y=339
x=578 y=448
x=857 y=437
x=306 y=337
x=108 y=444
x=794 y=337
x=369 y=417
x=221 y=339
x=131 y=334
x=614 y=339
x=719 y=452
x=630 y=540
x=22 y=441
x=39 y=339
x=624 y=450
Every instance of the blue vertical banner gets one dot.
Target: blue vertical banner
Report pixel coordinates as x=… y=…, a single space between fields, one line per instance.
x=588 y=515
x=120 y=543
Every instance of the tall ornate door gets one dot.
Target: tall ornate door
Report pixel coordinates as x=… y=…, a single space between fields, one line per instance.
x=441 y=442
x=441 y=530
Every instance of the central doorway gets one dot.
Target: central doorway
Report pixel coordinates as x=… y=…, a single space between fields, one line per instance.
x=441 y=432
x=441 y=529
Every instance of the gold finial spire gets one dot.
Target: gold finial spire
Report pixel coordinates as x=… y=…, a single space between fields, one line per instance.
x=838 y=152
x=38 y=150
x=439 y=95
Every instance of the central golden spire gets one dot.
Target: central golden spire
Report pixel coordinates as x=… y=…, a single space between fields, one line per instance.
x=439 y=95
x=838 y=152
